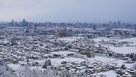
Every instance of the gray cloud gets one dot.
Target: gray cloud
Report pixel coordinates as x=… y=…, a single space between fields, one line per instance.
x=68 y=10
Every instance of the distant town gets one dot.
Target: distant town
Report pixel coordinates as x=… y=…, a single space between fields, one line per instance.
x=31 y=49
x=90 y=30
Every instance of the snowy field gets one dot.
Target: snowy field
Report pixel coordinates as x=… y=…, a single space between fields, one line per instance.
x=108 y=73
x=63 y=52
x=106 y=60
x=57 y=61
x=69 y=38
x=123 y=49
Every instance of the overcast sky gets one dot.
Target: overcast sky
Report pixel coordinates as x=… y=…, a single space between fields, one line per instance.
x=68 y=10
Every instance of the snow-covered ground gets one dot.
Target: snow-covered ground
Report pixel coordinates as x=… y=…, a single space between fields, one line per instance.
x=107 y=39
x=106 y=60
x=103 y=59
x=101 y=38
x=57 y=61
x=121 y=62
x=129 y=40
x=108 y=74
x=123 y=49
x=15 y=66
x=69 y=38
x=63 y=52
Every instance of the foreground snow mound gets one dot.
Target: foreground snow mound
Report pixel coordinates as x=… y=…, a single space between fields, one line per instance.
x=5 y=71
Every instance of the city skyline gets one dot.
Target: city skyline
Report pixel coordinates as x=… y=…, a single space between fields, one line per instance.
x=68 y=10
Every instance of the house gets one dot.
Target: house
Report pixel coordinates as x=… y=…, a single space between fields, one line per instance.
x=88 y=54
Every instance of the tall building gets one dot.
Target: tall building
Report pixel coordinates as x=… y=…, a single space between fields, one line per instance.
x=119 y=23
x=24 y=20
x=12 y=22
x=24 y=23
x=110 y=22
